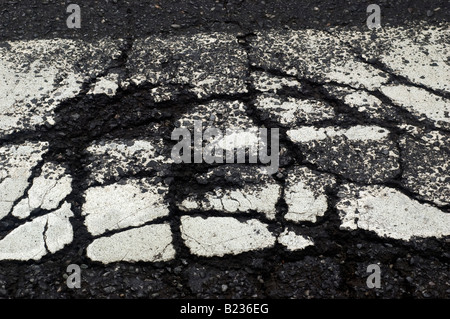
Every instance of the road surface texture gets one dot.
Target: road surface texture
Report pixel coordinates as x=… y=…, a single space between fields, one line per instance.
x=87 y=176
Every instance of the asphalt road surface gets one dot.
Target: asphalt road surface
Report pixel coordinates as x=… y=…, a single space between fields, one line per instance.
x=88 y=176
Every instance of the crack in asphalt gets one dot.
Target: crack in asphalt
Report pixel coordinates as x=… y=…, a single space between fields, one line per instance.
x=64 y=137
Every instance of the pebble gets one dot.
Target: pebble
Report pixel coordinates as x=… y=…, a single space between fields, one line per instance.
x=109 y=289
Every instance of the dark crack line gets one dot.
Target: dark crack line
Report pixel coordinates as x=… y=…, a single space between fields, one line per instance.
x=44 y=235
x=320 y=92
x=384 y=68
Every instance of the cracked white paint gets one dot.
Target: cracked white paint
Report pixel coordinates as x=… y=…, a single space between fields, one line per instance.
x=294 y=242
x=363 y=102
x=162 y=93
x=206 y=63
x=30 y=91
x=390 y=213
x=420 y=102
x=355 y=133
x=316 y=55
x=265 y=82
x=126 y=155
x=305 y=194
x=426 y=164
x=419 y=54
x=230 y=118
x=259 y=198
x=17 y=161
x=106 y=85
x=46 y=192
x=219 y=114
x=29 y=240
x=116 y=206
x=290 y=110
x=151 y=243
x=219 y=236
x=236 y=138
x=427 y=55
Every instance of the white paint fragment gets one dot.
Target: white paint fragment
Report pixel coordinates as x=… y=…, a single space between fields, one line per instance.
x=316 y=55
x=224 y=115
x=305 y=194
x=419 y=54
x=162 y=93
x=129 y=156
x=218 y=236
x=259 y=198
x=150 y=243
x=237 y=138
x=106 y=85
x=59 y=230
x=123 y=148
x=294 y=242
x=420 y=102
x=362 y=99
x=46 y=192
x=28 y=241
x=122 y=205
x=16 y=162
x=291 y=110
x=426 y=164
x=390 y=213
x=427 y=55
x=355 y=133
x=206 y=63
x=36 y=75
x=265 y=82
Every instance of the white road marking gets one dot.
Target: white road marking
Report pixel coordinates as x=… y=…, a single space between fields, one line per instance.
x=389 y=213
x=363 y=102
x=150 y=243
x=419 y=54
x=221 y=60
x=305 y=194
x=46 y=192
x=128 y=156
x=218 y=236
x=38 y=76
x=281 y=50
x=116 y=206
x=220 y=114
x=370 y=154
x=106 y=85
x=292 y=110
x=28 y=240
x=259 y=198
x=420 y=103
x=17 y=161
x=426 y=165
x=294 y=242
x=265 y=82
x=356 y=133
x=35 y=86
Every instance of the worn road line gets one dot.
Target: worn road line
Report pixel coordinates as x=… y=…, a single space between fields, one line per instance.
x=364 y=137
